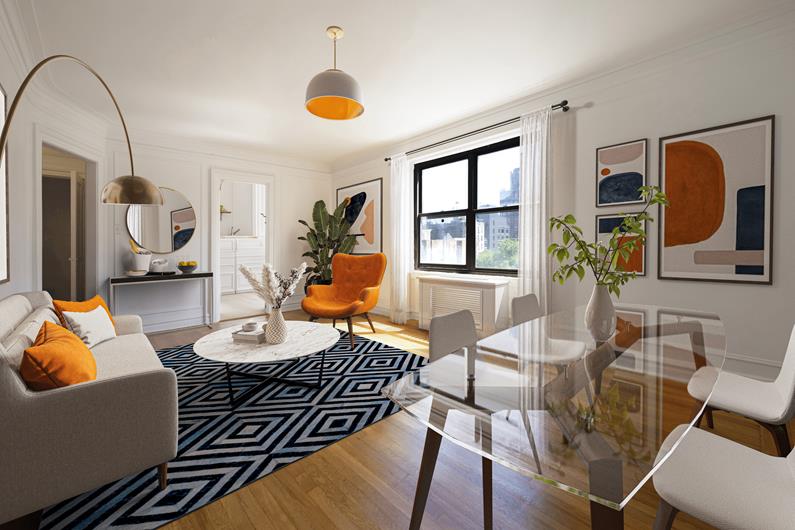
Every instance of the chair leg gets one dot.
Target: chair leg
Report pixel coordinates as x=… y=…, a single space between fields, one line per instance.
x=697 y=411
x=162 y=476
x=710 y=420
x=312 y=318
x=665 y=516
x=334 y=322
x=780 y=437
x=350 y=331
x=370 y=321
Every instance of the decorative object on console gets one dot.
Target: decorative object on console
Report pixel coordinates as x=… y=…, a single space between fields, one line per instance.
x=333 y=94
x=162 y=230
x=720 y=184
x=274 y=289
x=364 y=212
x=605 y=260
x=620 y=173
x=159 y=266
x=328 y=236
x=128 y=189
x=186 y=267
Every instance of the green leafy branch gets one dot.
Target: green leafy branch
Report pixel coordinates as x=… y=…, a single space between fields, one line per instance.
x=575 y=256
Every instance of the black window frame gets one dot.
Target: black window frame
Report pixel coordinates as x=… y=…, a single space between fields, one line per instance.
x=470 y=213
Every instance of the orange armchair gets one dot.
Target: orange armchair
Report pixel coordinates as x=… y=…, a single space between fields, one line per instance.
x=354 y=289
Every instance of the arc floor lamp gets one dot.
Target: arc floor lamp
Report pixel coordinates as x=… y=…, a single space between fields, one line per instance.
x=126 y=189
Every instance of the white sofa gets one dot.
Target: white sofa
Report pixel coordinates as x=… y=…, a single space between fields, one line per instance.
x=59 y=443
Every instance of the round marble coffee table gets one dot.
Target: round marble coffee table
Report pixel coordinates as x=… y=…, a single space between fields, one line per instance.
x=303 y=338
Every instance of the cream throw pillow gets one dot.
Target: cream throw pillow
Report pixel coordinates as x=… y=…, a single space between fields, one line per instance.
x=92 y=326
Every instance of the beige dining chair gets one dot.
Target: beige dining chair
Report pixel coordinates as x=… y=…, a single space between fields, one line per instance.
x=723 y=483
x=770 y=403
x=525 y=308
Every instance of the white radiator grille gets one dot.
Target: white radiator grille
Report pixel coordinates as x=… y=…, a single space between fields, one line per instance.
x=446 y=299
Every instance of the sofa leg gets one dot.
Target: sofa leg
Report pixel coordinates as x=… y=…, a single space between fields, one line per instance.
x=367 y=316
x=350 y=331
x=30 y=521
x=665 y=516
x=162 y=475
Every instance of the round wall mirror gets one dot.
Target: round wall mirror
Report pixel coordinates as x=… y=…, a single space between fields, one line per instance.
x=162 y=229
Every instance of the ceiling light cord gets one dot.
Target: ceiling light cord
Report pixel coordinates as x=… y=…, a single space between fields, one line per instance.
x=335 y=52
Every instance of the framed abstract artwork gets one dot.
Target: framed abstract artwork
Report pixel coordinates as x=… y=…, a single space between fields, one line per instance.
x=620 y=171
x=604 y=230
x=5 y=262
x=365 y=214
x=719 y=182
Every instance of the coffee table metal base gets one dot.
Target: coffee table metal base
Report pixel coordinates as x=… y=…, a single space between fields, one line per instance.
x=235 y=401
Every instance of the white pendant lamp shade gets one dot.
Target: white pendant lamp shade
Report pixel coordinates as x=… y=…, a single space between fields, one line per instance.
x=333 y=94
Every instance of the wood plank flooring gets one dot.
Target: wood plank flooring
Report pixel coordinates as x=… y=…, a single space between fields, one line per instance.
x=367 y=480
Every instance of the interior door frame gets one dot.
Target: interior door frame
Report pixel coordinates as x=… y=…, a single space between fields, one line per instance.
x=217 y=176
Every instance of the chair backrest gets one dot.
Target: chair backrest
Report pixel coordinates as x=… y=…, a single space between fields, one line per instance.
x=525 y=308
x=350 y=274
x=785 y=382
x=450 y=333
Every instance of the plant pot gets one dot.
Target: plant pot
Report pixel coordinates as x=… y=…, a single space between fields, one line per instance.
x=276 y=330
x=600 y=314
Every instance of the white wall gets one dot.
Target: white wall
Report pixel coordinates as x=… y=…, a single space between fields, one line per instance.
x=744 y=74
x=296 y=185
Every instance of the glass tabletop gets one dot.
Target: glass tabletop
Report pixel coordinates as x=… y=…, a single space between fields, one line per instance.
x=547 y=400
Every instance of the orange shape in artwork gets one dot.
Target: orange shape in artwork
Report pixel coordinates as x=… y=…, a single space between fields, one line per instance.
x=696 y=188
x=605 y=172
x=635 y=261
x=368 y=225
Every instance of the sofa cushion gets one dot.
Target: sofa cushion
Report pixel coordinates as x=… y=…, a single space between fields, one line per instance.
x=124 y=355
x=13 y=310
x=57 y=358
x=25 y=334
x=93 y=327
x=87 y=305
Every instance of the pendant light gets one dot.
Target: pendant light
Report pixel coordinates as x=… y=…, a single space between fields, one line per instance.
x=333 y=94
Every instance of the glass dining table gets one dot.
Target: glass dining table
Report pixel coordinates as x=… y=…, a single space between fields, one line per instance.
x=545 y=399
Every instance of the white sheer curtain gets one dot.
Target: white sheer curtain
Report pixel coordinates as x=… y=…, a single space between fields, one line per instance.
x=533 y=205
x=401 y=255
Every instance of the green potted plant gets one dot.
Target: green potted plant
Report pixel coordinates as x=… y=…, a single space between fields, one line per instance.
x=327 y=235
x=576 y=257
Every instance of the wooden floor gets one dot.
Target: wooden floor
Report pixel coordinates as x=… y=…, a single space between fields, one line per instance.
x=367 y=480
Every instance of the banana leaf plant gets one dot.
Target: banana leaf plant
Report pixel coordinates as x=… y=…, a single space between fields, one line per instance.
x=327 y=235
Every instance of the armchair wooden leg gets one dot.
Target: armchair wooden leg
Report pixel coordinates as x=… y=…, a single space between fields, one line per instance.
x=162 y=475
x=334 y=322
x=780 y=437
x=665 y=516
x=697 y=410
x=710 y=420
x=367 y=316
x=312 y=318
x=350 y=331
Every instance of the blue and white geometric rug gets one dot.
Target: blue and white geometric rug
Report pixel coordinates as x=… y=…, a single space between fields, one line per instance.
x=221 y=450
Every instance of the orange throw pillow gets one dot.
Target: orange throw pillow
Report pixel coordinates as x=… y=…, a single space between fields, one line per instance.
x=57 y=358
x=80 y=307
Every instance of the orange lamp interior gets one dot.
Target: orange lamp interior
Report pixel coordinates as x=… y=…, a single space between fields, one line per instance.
x=334 y=107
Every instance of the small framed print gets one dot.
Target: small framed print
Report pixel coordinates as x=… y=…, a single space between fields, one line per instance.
x=620 y=170
x=604 y=230
x=365 y=214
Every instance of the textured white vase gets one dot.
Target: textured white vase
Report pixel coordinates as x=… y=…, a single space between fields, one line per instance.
x=276 y=330
x=600 y=314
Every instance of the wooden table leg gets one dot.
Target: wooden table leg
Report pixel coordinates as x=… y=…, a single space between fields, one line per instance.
x=429 y=454
x=605 y=480
x=484 y=432
x=604 y=517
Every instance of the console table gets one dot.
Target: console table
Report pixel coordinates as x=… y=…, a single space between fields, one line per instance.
x=205 y=277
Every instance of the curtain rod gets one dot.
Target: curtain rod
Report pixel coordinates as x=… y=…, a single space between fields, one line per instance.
x=563 y=105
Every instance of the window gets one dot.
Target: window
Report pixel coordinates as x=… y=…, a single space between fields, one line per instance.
x=467 y=208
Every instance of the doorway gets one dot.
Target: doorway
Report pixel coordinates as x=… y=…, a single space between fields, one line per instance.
x=63 y=207
x=243 y=217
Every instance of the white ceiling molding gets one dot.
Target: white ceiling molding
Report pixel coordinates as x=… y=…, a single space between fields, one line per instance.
x=234 y=73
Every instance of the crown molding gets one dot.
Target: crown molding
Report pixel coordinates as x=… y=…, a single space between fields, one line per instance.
x=766 y=23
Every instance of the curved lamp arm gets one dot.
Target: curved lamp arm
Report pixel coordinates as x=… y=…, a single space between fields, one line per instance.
x=138 y=189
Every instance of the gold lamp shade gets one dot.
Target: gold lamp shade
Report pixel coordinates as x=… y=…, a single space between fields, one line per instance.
x=333 y=94
x=131 y=189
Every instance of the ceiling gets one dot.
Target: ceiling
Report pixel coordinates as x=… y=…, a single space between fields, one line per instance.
x=235 y=71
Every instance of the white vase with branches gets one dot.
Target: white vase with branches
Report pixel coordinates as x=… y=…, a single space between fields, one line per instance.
x=274 y=289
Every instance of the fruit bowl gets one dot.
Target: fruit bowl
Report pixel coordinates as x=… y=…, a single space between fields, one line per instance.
x=187 y=266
